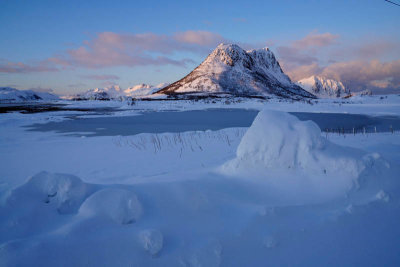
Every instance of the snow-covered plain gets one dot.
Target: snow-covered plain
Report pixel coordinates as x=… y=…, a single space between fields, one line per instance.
x=202 y=198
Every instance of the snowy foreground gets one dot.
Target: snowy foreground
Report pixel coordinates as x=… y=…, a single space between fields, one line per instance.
x=279 y=193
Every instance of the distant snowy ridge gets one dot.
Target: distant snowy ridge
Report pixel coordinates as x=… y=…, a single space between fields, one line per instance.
x=230 y=69
x=323 y=88
x=142 y=90
x=15 y=95
x=116 y=93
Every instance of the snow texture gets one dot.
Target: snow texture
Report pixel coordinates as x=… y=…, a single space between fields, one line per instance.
x=230 y=69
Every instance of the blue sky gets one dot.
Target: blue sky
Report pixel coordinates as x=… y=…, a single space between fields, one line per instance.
x=71 y=46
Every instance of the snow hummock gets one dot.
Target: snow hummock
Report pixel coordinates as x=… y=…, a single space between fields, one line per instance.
x=120 y=205
x=323 y=87
x=230 y=69
x=278 y=143
x=152 y=241
x=65 y=193
x=14 y=95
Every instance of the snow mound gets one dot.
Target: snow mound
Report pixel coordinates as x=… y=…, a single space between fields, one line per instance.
x=120 y=205
x=61 y=191
x=152 y=241
x=277 y=143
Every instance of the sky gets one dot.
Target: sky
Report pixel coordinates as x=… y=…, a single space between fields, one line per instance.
x=71 y=46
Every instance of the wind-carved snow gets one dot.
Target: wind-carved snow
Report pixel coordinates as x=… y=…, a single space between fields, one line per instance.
x=230 y=69
x=324 y=88
x=15 y=95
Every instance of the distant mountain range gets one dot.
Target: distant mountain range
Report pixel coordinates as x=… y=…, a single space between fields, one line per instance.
x=115 y=92
x=231 y=70
x=9 y=94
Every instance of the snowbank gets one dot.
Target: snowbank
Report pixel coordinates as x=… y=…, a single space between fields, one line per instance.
x=292 y=154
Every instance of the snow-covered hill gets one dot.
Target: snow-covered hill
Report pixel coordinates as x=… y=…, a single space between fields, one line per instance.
x=324 y=88
x=230 y=69
x=8 y=94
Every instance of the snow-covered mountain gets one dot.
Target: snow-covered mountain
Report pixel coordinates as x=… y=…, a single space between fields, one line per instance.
x=142 y=90
x=116 y=93
x=323 y=88
x=111 y=92
x=14 y=95
x=230 y=69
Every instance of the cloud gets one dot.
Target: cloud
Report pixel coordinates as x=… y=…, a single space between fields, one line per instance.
x=356 y=75
x=201 y=38
x=315 y=39
x=76 y=85
x=19 y=67
x=304 y=51
x=110 y=49
x=366 y=64
x=364 y=74
x=40 y=89
x=100 y=77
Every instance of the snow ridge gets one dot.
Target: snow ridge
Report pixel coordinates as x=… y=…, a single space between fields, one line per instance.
x=323 y=87
x=230 y=69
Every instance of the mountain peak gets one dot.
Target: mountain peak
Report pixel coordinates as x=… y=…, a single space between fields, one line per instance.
x=323 y=87
x=230 y=69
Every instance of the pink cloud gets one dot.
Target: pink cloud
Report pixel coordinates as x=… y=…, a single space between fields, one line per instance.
x=109 y=49
x=101 y=77
x=316 y=40
x=19 y=67
x=202 y=38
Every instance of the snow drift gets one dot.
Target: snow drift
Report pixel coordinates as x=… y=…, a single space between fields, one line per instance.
x=292 y=154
